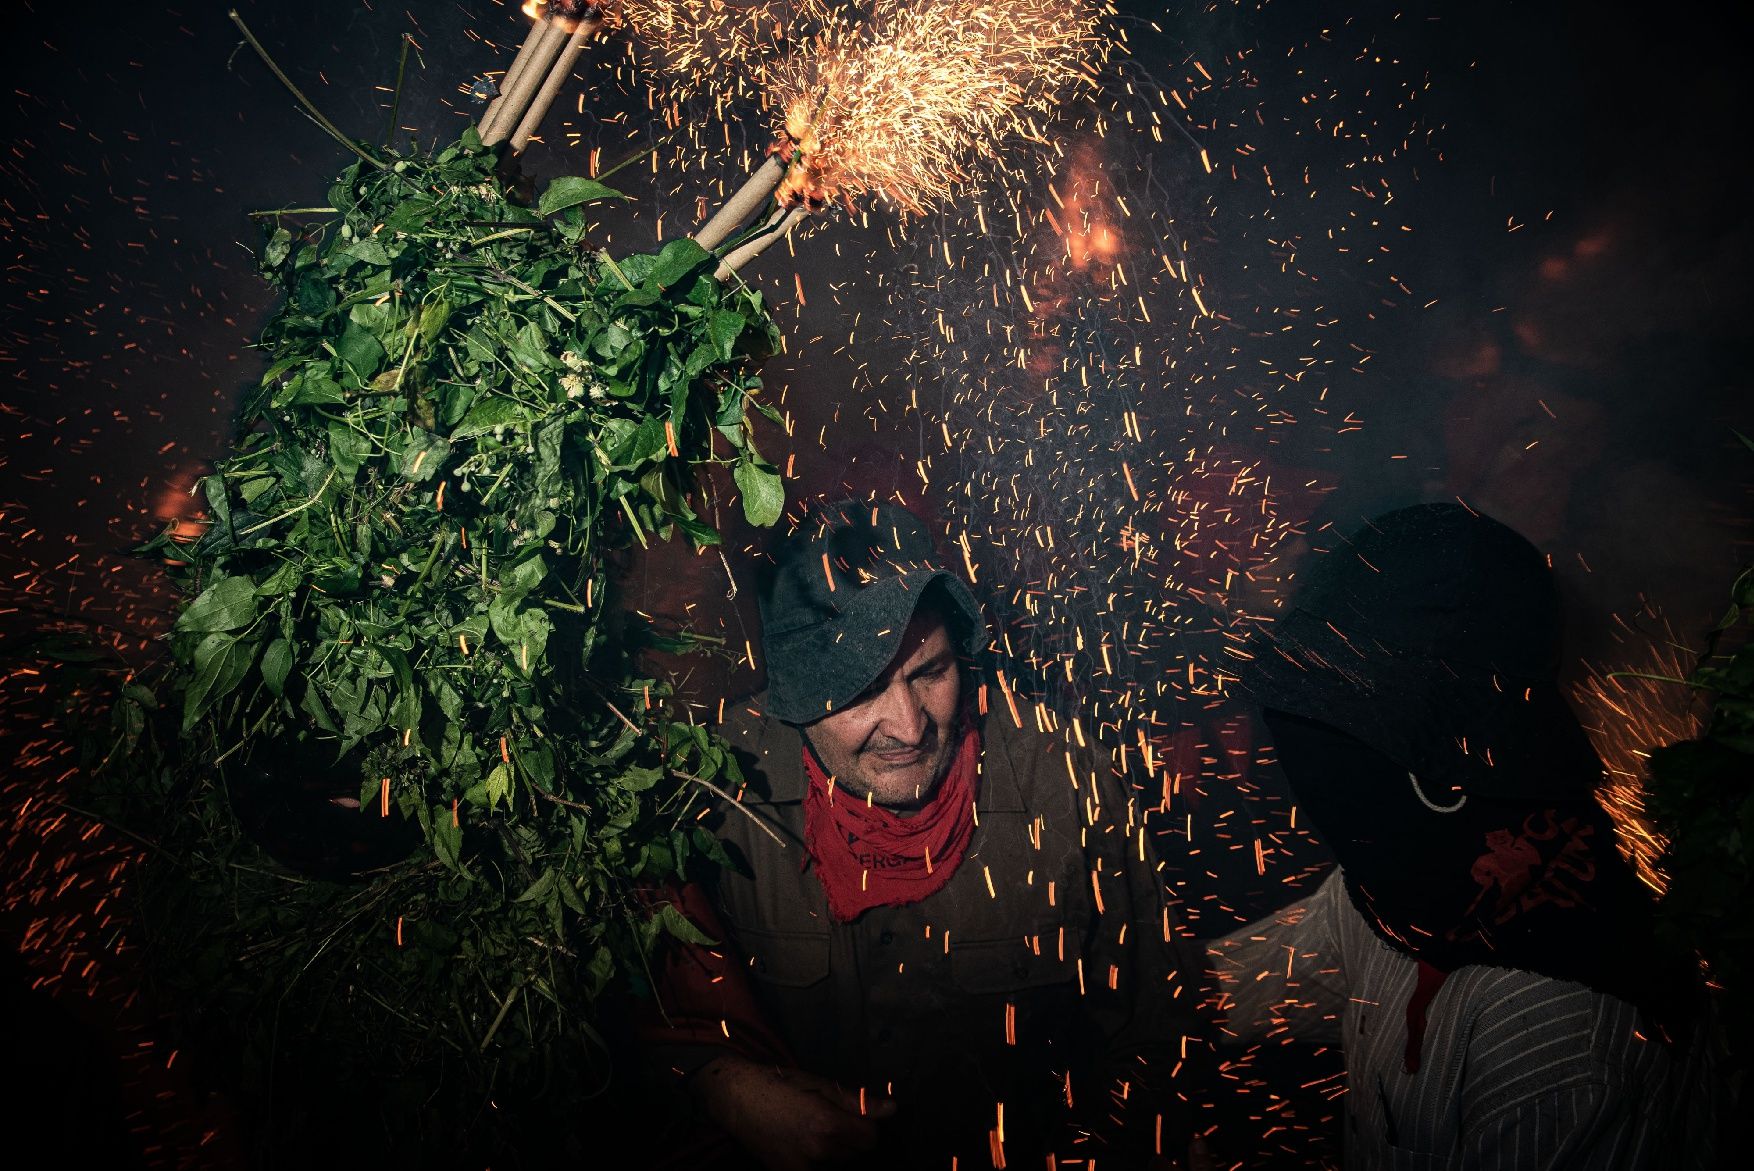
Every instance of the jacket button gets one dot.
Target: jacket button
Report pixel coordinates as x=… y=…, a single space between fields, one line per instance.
x=887 y=938
x=1020 y=969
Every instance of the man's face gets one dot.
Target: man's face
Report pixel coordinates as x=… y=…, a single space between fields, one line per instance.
x=894 y=741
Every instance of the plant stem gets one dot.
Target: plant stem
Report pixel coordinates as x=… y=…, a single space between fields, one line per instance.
x=107 y=824
x=504 y=1008
x=634 y=521
x=603 y=253
x=631 y=159
x=291 y=211
x=496 y=483
x=396 y=102
x=295 y=510
x=735 y=804
x=509 y=279
x=316 y=114
x=500 y=235
x=245 y=738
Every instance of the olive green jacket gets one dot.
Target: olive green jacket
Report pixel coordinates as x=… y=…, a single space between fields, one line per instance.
x=1048 y=966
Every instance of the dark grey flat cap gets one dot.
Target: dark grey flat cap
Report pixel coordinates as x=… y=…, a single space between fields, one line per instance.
x=840 y=596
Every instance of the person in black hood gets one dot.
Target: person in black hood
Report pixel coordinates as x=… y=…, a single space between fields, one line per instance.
x=1483 y=952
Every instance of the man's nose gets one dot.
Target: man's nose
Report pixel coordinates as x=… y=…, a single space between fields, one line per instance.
x=904 y=716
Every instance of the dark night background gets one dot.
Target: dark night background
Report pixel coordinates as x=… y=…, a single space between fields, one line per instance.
x=1562 y=346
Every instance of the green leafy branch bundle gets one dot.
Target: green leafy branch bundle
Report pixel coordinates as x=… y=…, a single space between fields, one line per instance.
x=404 y=593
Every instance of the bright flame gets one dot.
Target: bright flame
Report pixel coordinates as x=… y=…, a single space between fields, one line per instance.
x=570 y=15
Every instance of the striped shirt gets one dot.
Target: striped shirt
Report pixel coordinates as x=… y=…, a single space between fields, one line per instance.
x=1518 y=1071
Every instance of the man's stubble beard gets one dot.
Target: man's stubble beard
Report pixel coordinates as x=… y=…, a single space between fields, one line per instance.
x=857 y=782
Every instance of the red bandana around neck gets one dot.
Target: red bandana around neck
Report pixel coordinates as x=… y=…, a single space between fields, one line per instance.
x=867 y=856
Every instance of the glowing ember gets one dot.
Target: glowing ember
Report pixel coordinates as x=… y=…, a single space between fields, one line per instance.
x=902 y=105
x=1628 y=713
x=568 y=14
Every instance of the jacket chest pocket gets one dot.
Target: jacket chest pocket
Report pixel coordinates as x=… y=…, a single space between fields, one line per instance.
x=785 y=959
x=985 y=967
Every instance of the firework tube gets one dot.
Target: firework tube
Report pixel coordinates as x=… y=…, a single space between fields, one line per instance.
x=537 y=30
x=557 y=77
x=780 y=224
x=516 y=98
x=742 y=205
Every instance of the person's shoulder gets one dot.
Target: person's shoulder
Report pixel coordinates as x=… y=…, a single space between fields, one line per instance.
x=1043 y=766
x=765 y=749
x=1530 y=1037
x=1511 y=1013
x=1030 y=748
x=745 y=723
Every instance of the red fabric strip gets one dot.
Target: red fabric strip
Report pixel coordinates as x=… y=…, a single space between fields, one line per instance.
x=866 y=856
x=1430 y=980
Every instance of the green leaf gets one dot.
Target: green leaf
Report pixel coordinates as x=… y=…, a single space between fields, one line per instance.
x=530 y=347
x=221 y=662
x=313 y=705
x=764 y=494
x=279 y=245
x=434 y=316
x=498 y=785
x=423 y=456
x=276 y=663
x=503 y=614
x=675 y=923
x=538 y=890
x=679 y=258
x=701 y=533
x=537 y=626
x=313 y=294
x=447 y=839
x=410 y=215
x=488 y=414
x=526 y=574
x=226 y=605
x=724 y=327
x=368 y=250
x=213 y=487
x=360 y=350
x=572 y=190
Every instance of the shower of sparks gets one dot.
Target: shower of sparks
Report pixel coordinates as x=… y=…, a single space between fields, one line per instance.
x=904 y=105
x=716 y=48
x=1629 y=711
x=1123 y=391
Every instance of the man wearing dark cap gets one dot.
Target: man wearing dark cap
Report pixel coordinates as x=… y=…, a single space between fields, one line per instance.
x=1483 y=953
x=938 y=940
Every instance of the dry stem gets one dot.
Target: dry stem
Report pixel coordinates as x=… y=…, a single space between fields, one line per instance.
x=519 y=63
x=779 y=225
x=741 y=205
x=551 y=86
x=515 y=97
